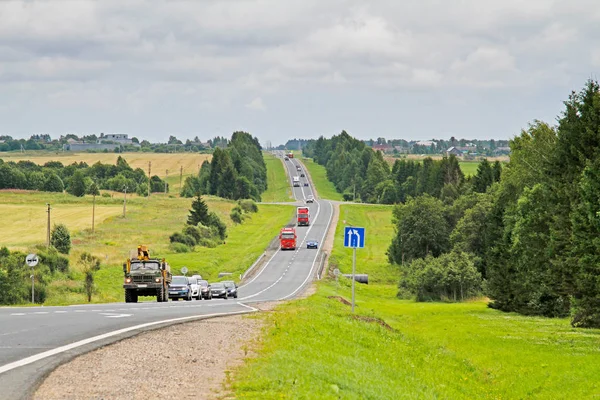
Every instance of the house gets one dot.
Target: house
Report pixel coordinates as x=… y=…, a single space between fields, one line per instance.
x=120 y=138
x=382 y=147
x=455 y=151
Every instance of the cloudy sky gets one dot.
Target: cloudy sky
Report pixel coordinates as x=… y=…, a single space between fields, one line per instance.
x=284 y=68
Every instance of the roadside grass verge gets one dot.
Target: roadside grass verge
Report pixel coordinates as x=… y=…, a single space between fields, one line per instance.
x=392 y=349
x=324 y=186
x=372 y=259
x=278 y=185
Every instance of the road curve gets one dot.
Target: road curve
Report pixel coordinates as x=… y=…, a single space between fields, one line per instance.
x=35 y=340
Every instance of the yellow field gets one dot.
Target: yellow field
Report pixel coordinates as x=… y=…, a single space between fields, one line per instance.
x=26 y=224
x=160 y=161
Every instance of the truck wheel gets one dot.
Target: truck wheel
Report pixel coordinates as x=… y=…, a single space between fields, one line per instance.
x=160 y=294
x=129 y=296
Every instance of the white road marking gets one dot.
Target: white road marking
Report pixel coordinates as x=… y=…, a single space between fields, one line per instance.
x=62 y=349
x=41 y=312
x=60 y=312
x=111 y=315
x=18 y=313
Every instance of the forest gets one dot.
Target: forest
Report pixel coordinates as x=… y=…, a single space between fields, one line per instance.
x=236 y=172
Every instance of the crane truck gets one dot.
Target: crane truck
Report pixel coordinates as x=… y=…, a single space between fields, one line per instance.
x=145 y=276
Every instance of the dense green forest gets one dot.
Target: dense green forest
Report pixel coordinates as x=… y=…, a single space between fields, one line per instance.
x=77 y=178
x=361 y=173
x=533 y=236
x=235 y=172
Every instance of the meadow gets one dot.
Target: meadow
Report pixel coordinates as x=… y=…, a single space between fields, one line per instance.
x=400 y=349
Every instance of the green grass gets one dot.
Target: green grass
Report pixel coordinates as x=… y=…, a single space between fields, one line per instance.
x=278 y=189
x=324 y=186
x=149 y=221
x=469 y=168
x=314 y=348
x=372 y=260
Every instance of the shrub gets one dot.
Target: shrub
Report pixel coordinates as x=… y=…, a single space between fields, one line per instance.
x=179 y=248
x=236 y=215
x=451 y=276
x=214 y=220
x=179 y=237
x=208 y=243
x=60 y=238
x=193 y=231
x=248 y=205
x=53 y=259
x=106 y=195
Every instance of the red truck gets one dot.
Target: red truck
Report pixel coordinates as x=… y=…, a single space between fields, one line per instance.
x=287 y=237
x=303 y=216
x=290 y=155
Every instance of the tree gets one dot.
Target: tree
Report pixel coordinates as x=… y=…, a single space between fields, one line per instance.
x=53 y=183
x=93 y=189
x=77 y=184
x=484 y=177
x=90 y=264
x=60 y=238
x=199 y=212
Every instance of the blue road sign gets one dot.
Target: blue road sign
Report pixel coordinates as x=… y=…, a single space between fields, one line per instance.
x=354 y=237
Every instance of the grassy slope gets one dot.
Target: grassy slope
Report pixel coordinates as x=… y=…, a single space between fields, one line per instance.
x=325 y=188
x=279 y=189
x=313 y=348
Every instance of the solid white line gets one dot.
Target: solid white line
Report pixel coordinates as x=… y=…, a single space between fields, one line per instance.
x=261 y=271
x=18 y=313
x=315 y=260
x=247 y=306
x=62 y=349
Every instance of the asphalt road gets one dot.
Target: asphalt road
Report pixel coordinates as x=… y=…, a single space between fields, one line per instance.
x=35 y=340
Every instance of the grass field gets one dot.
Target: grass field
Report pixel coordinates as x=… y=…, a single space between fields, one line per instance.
x=372 y=260
x=318 y=175
x=469 y=168
x=398 y=349
x=161 y=162
x=148 y=221
x=279 y=189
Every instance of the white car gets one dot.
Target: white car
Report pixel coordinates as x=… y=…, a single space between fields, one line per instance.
x=195 y=288
x=310 y=199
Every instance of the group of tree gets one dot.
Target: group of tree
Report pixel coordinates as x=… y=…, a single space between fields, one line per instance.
x=242 y=211
x=203 y=228
x=235 y=172
x=533 y=236
x=362 y=174
x=77 y=178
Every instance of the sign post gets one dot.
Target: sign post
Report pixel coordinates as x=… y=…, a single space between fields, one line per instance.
x=184 y=270
x=354 y=238
x=32 y=260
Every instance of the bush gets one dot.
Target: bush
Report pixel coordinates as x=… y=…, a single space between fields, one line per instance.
x=179 y=248
x=211 y=244
x=60 y=238
x=236 y=215
x=193 y=231
x=451 y=276
x=179 y=237
x=214 y=220
x=53 y=259
x=106 y=195
x=248 y=205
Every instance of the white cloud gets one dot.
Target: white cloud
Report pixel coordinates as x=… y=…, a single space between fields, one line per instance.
x=256 y=104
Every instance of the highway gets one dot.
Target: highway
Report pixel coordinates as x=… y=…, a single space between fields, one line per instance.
x=35 y=340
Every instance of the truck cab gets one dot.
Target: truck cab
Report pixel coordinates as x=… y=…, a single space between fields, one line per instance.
x=302 y=214
x=287 y=239
x=296 y=181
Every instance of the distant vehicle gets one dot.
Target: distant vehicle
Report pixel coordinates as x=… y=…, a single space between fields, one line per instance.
x=195 y=288
x=287 y=239
x=231 y=289
x=310 y=199
x=199 y=277
x=290 y=155
x=312 y=244
x=298 y=168
x=302 y=175
x=205 y=289
x=305 y=183
x=180 y=288
x=287 y=158
x=296 y=181
x=303 y=216
x=218 y=289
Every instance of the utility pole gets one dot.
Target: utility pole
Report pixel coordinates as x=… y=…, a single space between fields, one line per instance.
x=180 y=177
x=167 y=177
x=125 y=202
x=48 y=228
x=149 y=169
x=93 y=212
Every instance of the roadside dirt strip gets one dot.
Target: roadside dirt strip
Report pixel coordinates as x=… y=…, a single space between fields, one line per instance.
x=185 y=361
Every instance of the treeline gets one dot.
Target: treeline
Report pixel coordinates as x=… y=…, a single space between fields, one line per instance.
x=362 y=174
x=77 y=178
x=533 y=237
x=235 y=172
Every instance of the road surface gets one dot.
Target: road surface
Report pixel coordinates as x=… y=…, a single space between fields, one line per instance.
x=35 y=340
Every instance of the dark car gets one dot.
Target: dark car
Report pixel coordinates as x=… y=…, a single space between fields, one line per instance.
x=305 y=183
x=180 y=288
x=218 y=289
x=302 y=175
x=312 y=244
x=205 y=289
x=231 y=288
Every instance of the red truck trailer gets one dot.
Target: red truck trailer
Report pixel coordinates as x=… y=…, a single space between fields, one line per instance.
x=303 y=216
x=290 y=155
x=287 y=237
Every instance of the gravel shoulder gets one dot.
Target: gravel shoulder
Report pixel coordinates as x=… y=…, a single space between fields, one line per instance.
x=186 y=361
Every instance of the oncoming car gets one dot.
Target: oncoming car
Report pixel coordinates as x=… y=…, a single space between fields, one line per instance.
x=312 y=244
x=218 y=289
x=310 y=199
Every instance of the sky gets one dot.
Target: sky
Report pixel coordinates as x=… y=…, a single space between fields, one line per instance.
x=283 y=69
